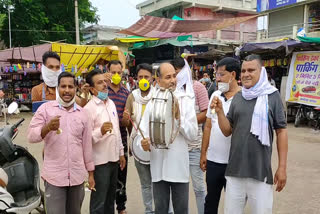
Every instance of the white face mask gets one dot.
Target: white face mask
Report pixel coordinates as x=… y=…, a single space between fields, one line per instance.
x=63 y=103
x=49 y=76
x=224 y=86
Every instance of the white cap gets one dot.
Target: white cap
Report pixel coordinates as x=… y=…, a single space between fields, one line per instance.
x=3 y=176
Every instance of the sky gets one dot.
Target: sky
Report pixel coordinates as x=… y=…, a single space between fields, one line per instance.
x=121 y=13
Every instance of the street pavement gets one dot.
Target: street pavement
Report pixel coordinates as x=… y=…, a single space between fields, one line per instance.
x=300 y=196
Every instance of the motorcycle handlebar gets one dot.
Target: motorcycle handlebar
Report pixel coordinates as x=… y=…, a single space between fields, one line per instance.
x=18 y=123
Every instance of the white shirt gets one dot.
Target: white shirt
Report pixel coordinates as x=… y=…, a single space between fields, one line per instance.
x=219 y=145
x=6 y=197
x=172 y=165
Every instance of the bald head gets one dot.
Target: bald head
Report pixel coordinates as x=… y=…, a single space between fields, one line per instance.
x=167 y=76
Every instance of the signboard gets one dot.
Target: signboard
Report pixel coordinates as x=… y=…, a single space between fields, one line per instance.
x=263 y=5
x=303 y=84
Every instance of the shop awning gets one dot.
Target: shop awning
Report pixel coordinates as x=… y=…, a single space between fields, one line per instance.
x=86 y=56
x=155 y=27
x=286 y=45
x=134 y=39
x=309 y=39
x=28 y=54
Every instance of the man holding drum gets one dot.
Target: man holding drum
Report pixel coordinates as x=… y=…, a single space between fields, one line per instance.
x=107 y=145
x=170 y=166
x=136 y=104
x=201 y=106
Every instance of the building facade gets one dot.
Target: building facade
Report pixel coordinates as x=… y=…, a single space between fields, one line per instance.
x=208 y=10
x=285 y=18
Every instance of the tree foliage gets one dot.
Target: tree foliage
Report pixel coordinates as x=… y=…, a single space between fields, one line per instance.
x=51 y=20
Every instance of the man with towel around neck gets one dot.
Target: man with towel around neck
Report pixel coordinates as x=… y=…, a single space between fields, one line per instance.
x=254 y=112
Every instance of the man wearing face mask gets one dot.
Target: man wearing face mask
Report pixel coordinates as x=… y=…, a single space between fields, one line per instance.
x=206 y=79
x=119 y=94
x=46 y=91
x=107 y=145
x=66 y=131
x=136 y=104
x=50 y=71
x=215 y=146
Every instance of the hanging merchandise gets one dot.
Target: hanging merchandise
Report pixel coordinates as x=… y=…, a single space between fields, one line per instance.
x=19 y=66
x=15 y=68
x=272 y=62
x=279 y=62
x=28 y=64
x=25 y=73
x=39 y=67
x=33 y=66
x=6 y=69
x=72 y=69
x=285 y=61
x=62 y=68
x=10 y=69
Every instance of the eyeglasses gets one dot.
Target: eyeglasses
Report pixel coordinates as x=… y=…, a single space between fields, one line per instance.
x=220 y=74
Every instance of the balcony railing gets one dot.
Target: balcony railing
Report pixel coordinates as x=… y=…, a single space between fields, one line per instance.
x=237 y=36
x=289 y=30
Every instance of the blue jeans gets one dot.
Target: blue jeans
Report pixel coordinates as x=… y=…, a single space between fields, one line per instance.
x=197 y=176
x=146 y=185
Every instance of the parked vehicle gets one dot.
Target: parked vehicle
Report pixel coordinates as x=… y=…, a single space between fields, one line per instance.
x=308 y=114
x=22 y=169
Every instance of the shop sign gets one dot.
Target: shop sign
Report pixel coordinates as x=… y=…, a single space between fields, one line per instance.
x=303 y=84
x=263 y=5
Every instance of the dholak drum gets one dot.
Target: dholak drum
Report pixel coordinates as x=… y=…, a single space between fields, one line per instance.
x=161 y=127
x=138 y=153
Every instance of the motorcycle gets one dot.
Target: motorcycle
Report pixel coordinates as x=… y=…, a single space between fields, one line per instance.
x=309 y=114
x=22 y=170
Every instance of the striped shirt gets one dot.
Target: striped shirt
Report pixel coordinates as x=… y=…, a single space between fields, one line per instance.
x=120 y=98
x=201 y=104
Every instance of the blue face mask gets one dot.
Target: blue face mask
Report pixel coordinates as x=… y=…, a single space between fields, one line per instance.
x=102 y=95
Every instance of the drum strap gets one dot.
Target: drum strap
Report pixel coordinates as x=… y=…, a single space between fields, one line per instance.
x=179 y=121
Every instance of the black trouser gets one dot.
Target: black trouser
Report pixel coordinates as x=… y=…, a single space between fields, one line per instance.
x=121 y=195
x=215 y=182
x=102 y=200
x=180 y=197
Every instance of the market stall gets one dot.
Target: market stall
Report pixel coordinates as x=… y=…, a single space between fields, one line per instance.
x=20 y=68
x=278 y=59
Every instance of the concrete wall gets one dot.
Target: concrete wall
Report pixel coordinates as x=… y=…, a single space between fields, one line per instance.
x=281 y=22
x=150 y=6
x=230 y=33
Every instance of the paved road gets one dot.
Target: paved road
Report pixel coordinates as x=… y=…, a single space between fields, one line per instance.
x=301 y=195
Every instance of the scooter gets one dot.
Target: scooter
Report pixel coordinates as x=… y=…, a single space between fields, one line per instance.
x=308 y=113
x=22 y=169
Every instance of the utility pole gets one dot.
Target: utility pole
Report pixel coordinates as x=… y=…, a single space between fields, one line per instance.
x=77 y=22
x=9 y=26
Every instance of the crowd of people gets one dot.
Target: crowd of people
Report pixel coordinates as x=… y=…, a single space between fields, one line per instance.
x=228 y=135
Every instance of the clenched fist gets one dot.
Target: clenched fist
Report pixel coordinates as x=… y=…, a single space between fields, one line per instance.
x=54 y=124
x=216 y=104
x=106 y=127
x=145 y=143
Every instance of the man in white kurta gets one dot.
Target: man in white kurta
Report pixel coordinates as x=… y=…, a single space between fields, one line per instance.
x=170 y=167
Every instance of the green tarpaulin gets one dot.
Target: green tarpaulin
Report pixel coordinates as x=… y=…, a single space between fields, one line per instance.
x=309 y=39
